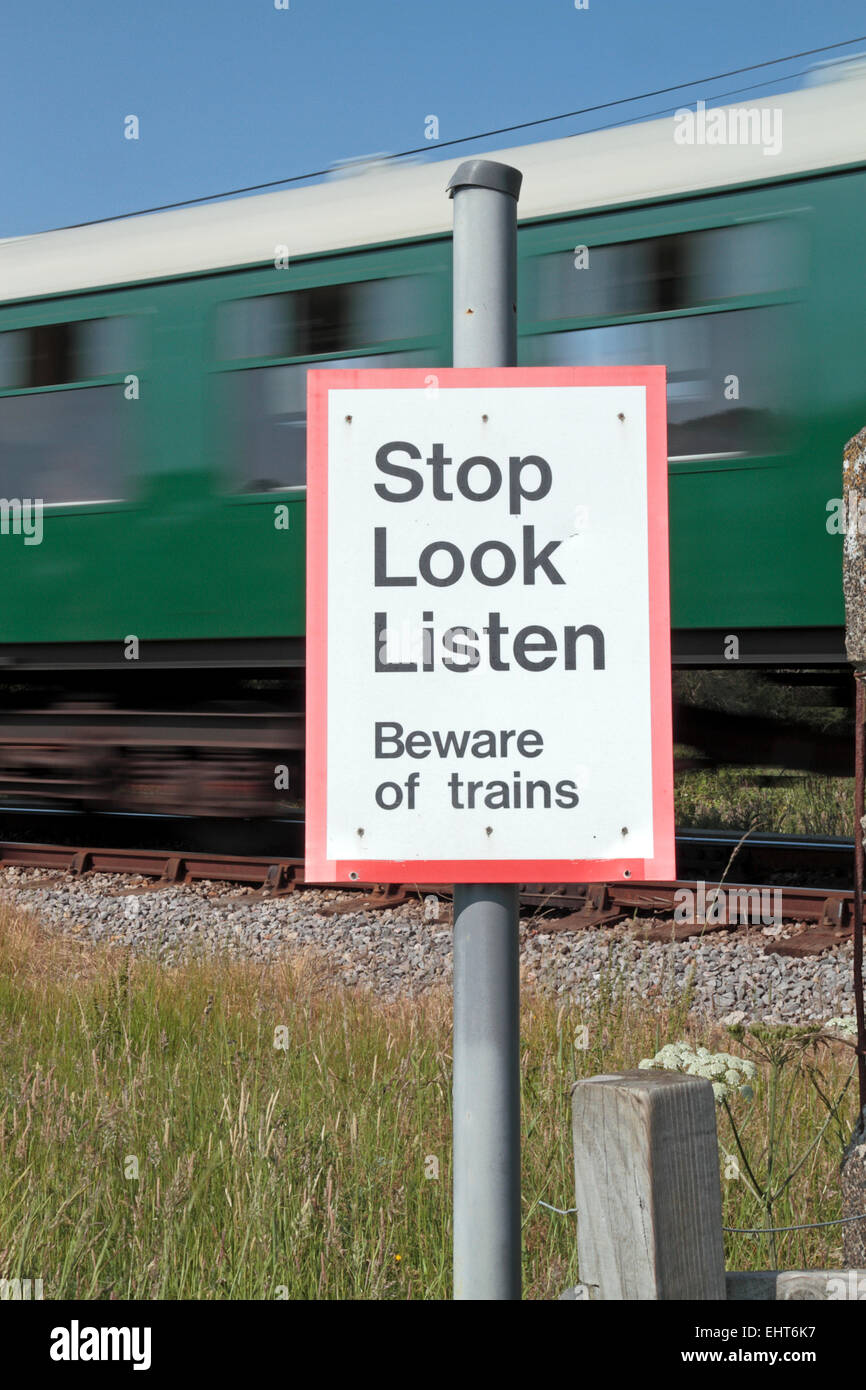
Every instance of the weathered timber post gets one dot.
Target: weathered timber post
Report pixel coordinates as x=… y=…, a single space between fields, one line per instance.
x=853 y=1168
x=649 y=1204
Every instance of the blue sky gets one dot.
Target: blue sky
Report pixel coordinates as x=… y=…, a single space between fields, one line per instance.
x=235 y=92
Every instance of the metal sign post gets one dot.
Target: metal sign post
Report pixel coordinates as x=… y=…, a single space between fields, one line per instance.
x=486 y=1099
x=486 y=554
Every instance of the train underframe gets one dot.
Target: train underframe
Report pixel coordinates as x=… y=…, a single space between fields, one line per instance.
x=217 y=730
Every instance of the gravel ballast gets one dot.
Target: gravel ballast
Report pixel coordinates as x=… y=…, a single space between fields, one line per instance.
x=406 y=951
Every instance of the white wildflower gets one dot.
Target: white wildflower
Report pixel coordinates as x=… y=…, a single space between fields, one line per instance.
x=726 y=1072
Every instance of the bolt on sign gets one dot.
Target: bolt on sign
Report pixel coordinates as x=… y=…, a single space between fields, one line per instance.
x=488 y=630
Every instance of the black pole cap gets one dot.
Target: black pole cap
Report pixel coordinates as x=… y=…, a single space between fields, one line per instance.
x=486 y=173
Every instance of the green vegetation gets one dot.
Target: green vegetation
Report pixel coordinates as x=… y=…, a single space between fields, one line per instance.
x=792 y=757
x=762 y=798
x=771 y=694
x=309 y=1171
x=791 y=1055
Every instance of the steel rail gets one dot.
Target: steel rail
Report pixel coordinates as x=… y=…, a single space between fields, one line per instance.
x=699 y=908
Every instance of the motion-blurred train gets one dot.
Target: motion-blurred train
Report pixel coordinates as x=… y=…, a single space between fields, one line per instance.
x=152 y=392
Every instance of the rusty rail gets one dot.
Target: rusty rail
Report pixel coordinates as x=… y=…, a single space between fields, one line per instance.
x=584 y=906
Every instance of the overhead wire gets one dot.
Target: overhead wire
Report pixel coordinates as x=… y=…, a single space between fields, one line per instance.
x=499 y=130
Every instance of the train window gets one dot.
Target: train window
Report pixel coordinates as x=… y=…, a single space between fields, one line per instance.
x=59 y=354
x=615 y=280
x=65 y=446
x=13 y=359
x=725 y=373
x=661 y=274
x=257 y=327
x=266 y=419
x=326 y=318
x=746 y=259
x=104 y=347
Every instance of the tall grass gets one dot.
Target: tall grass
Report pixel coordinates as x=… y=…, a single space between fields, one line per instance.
x=734 y=798
x=155 y=1143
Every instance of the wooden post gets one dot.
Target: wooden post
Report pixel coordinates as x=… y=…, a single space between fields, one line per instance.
x=853 y=1167
x=854 y=547
x=649 y=1205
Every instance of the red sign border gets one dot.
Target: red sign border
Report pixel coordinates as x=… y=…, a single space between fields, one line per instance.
x=318 y=867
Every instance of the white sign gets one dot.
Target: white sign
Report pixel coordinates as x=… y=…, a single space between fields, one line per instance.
x=488 y=633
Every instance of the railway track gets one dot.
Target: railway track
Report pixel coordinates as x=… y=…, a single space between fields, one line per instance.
x=695 y=906
x=765 y=852
x=761 y=857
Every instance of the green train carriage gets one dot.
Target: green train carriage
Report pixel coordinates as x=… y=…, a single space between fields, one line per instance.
x=152 y=388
